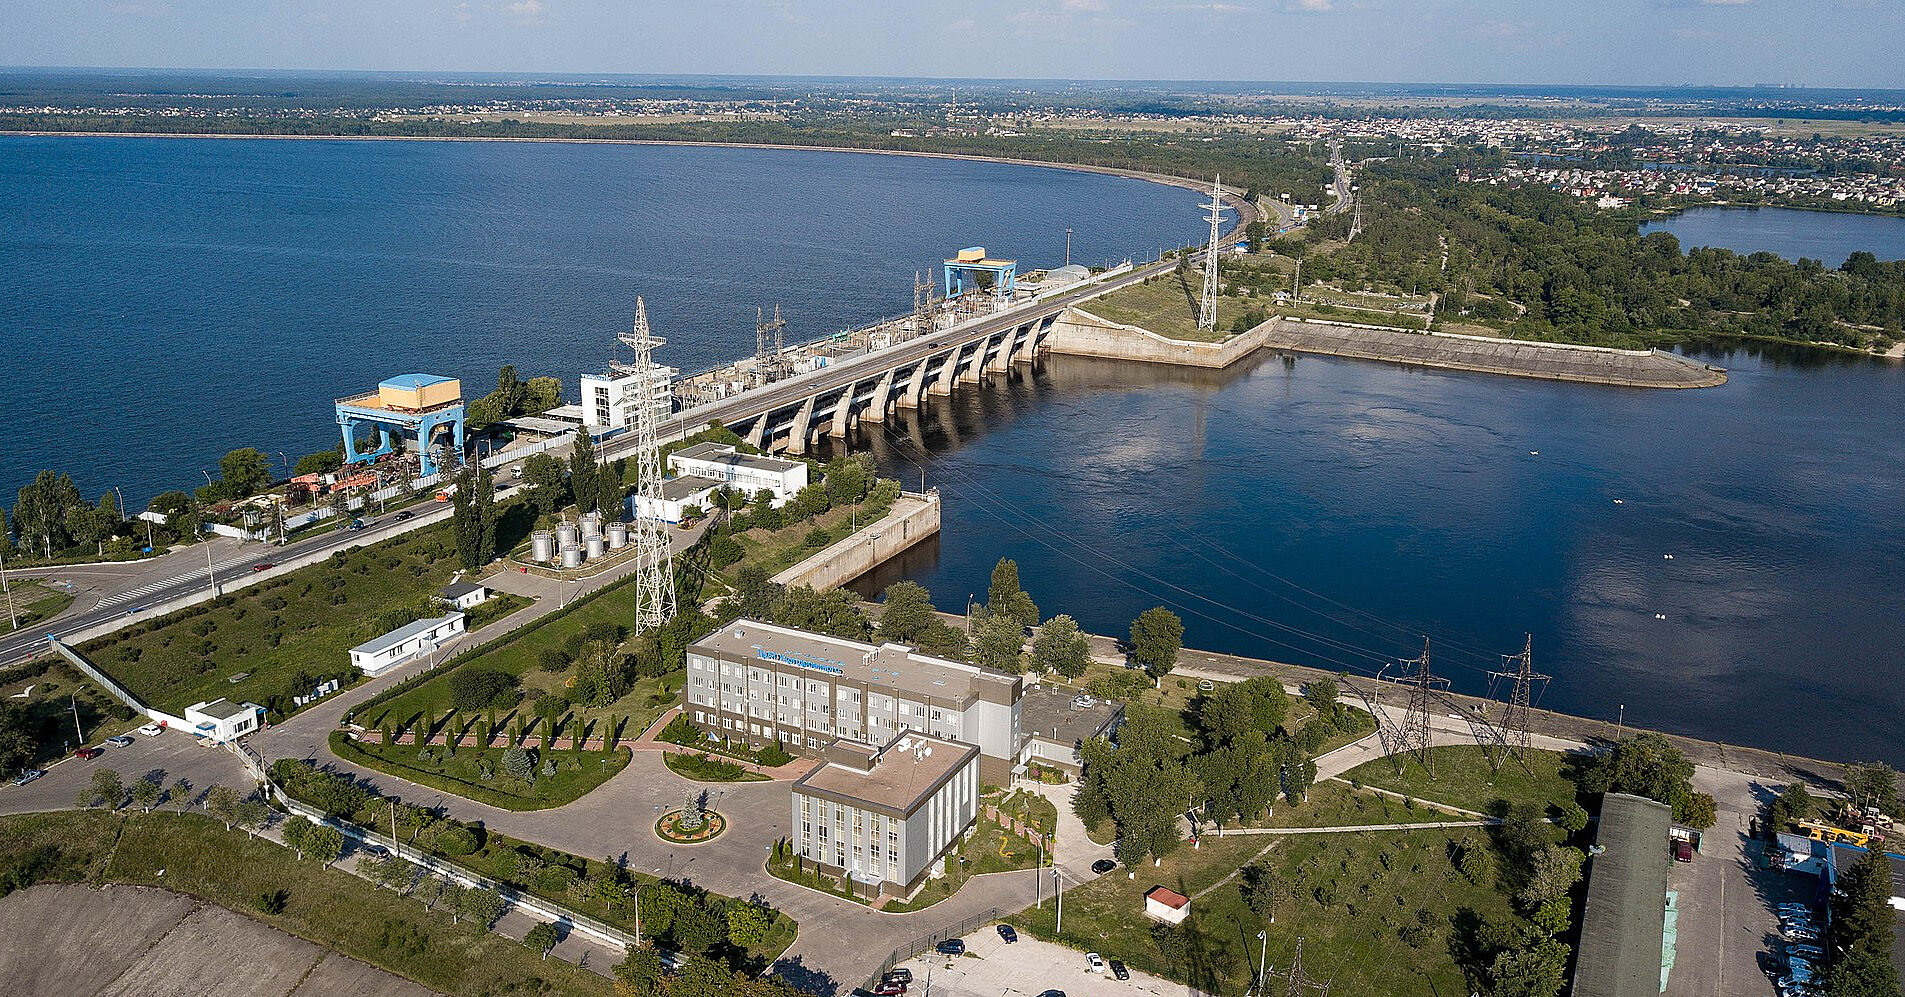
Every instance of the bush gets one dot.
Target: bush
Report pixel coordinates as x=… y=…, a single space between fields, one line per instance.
x=478 y=686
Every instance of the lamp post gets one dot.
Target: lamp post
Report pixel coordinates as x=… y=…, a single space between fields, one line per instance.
x=8 y=591
x=1263 y=949
x=1620 y=720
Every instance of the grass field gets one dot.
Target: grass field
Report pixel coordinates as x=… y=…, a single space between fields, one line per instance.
x=1336 y=804
x=990 y=849
x=1375 y=910
x=1463 y=779
x=774 y=551
x=195 y=855
x=37 y=602
x=707 y=768
x=1167 y=305
x=462 y=773
x=250 y=645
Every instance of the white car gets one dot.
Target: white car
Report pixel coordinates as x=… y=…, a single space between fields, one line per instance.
x=1094 y=963
x=152 y=730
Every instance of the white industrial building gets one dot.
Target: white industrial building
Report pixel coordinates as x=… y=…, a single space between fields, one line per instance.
x=222 y=719
x=759 y=683
x=882 y=817
x=677 y=494
x=462 y=595
x=609 y=399
x=414 y=640
x=750 y=473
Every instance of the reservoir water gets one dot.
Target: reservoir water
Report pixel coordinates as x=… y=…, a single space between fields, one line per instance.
x=1724 y=562
x=1826 y=236
x=163 y=301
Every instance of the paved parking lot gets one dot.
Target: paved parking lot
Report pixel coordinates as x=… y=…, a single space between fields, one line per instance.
x=166 y=758
x=991 y=968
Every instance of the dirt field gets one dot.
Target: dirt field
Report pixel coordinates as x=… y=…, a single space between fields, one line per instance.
x=76 y=941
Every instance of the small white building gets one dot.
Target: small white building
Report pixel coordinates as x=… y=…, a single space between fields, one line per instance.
x=677 y=494
x=609 y=399
x=463 y=595
x=375 y=657
x=883 y=817
x=1167 y=905
x=750 y=473
x=222 y=719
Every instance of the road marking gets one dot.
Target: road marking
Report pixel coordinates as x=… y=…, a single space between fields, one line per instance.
x=130 y=594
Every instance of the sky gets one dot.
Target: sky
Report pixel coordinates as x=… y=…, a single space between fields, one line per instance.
x=1844 y=43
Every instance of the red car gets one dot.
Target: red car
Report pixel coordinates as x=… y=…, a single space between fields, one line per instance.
x=891 y=988
x=88 y=753
x=263 y=566
x=1682 y=850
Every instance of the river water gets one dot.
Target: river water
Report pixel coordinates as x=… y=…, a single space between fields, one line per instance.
x=1819 y=235
x=1724 y=562
x=165 y=300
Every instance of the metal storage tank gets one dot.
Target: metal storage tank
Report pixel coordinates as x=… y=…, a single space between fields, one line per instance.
x=618 y=536
x=594 y=546
x=591 y=526
x=542 y=546
x=571 y=556
x=565 y=534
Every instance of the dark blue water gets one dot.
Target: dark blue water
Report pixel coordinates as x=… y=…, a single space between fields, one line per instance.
x=1826 y=236
x=165 y=300
x=1333 y=512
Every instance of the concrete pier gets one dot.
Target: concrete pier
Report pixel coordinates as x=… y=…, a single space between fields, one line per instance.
x=914 y=517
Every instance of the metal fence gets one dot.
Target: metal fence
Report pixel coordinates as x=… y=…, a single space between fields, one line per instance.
x=926 y=943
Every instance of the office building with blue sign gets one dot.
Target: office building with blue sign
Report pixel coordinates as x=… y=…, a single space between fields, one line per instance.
x=757 y=683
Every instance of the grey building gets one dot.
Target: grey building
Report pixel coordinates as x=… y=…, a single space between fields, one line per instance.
x=760 y=683
x=881 y=817
x=1058 y=721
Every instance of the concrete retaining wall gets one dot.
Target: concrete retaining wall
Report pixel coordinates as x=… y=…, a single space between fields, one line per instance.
x=914 y=517
x=1081 y=333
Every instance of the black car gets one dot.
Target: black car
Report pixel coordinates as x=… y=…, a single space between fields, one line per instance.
x=402 y=516
x=1118 y=970
x=901 y=975
x=1008 y=933
x=952 y=946
x=1103 y=866
x=1053 y=993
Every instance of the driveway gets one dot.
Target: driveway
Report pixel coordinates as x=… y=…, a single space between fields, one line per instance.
x=991 y=968
x=166 y=758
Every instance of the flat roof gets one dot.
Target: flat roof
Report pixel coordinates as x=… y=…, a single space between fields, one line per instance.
x=686 y=485
x=723 y=453
x=908 y=770
x=411 y=382
x=457 y=590
x=222 y=709
x=1626 y=913
x=1049 y=716
x=894 y=666
x=403 y=633
x=1167 y=896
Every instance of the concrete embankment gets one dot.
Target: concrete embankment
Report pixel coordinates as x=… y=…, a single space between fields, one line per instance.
x=914 y=517
x=1080 y=333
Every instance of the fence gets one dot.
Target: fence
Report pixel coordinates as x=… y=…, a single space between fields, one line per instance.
x=92 y=671
x=964 y=927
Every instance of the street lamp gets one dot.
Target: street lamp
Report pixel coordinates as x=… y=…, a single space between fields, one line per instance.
x=1263 y=949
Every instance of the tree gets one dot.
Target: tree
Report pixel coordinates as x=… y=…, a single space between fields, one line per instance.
x=541 y=938
x=17 y=741
x=246 y=471
x=146 y=793
x=1061 y=648
x=1872 y=785
x=831 y=612
x=754 y=595
x=322 y=462
x=611 y=499
x=1862 y=916
x=1536 y=971
x=180 y=795
x=1862 y=974
x=518 y=764
x=475 y=687
x=253 y=815
x=543 y=474
x=481 y=905
x=1698 y=811
x=583 y=471
x=221 y=802
x=640 y=973
x=906 y=612
x=998 y=641
x=108 y=789
x=1156 y=636
x=1321 y=694
x=325 y=843
x=1262 y=889
x=1644 y=765
x=748 y=923
x=295 y=833
x=1005 y=596
x=1554 y=871
x=41 y=514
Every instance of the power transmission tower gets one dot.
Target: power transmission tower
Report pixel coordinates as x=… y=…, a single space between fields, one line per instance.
x=654 y=562
x=1207 y=308
x=1521 y=669
x=1423 y=685
x=768 y=364
x=922 y=305
x=760 y=338
x=1295 y=982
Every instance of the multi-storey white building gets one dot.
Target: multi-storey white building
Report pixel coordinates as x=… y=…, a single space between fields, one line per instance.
x=748 y=472
x=759 y=683
x=608 y=399
x=881 y=817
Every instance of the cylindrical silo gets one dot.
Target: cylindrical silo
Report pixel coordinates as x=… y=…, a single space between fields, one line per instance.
x=591 y=526
x=618 y=536
x=571 y=556
x=542 y=546
x=593 y=545
x=565 y=534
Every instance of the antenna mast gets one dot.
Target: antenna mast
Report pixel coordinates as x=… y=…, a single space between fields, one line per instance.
x=655 y=574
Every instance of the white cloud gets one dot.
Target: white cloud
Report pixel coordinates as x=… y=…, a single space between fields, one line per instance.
x=1082 y=6
x=1314 y=5
x=528 y=10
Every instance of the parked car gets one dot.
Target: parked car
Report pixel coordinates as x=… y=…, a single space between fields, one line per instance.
x=1052 y=993
x=152 y=729
x=1118 y=970
x=1682 y=850
x=377 y=850
x=891 y=988
x=1811 y=953
x=122 y=741
x=1009 y=933
x=1103 y=866
x=405 y=516
x=1206 y=685
x=951 y=946
x=902 y=974
x=1094 y=963
x=263 y=566
x=28 y=776
x=88 y=753
x=356 y=525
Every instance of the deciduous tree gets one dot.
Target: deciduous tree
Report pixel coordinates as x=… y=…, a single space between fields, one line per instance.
x=1156 y=636
x=1061 y=648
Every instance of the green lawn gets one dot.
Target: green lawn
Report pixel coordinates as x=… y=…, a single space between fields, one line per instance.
x=305 y=622
x=706 y=768
x=1376 y=911
x=48 y=691
x=1168 y=305
x=990 y=849
x=1335 y=804
x=195 y=855
x=1463 y=779
x=461 y=773
x=777 y=550
x=36 y=602
x=1035 y=810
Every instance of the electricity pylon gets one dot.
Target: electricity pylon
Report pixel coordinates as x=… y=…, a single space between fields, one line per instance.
x=1207 y=308
x=654 y=562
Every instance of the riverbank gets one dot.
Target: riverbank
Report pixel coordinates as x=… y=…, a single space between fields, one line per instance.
x=1081 y=333
x=1247 y=211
